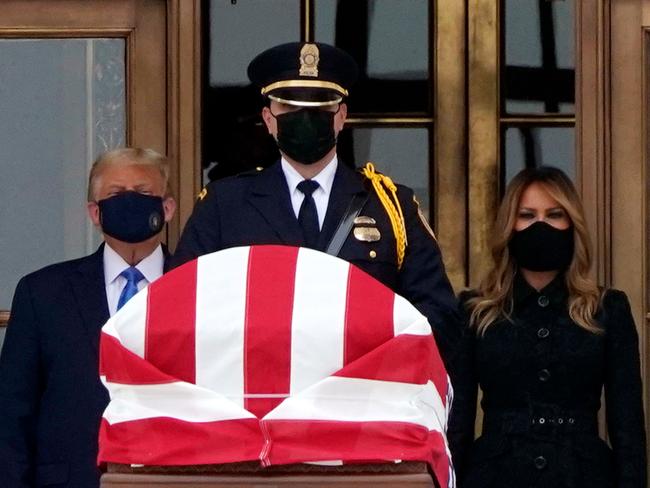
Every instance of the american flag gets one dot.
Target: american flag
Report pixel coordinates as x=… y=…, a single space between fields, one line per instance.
x=277 y=354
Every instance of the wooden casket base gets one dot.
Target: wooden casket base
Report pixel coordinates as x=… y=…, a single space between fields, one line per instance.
x=246 y=475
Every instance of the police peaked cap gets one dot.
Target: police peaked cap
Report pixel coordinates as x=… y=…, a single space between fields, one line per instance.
x=304 y=74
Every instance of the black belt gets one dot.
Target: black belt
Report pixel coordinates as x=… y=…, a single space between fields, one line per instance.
x=524 y=421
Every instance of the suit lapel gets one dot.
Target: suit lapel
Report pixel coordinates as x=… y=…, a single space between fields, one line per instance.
x=90 y=294
x=347 y=183
x=269 y=194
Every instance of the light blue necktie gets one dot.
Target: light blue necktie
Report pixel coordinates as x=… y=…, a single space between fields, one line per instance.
x=133 y=276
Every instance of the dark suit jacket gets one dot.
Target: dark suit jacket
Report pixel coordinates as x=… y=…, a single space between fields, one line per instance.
x=255 y=208
x=51 y=399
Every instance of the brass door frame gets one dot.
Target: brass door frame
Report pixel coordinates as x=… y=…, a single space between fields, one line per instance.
x=483 y=131
x=184 y=31
x=450 y=139
x=614 y=92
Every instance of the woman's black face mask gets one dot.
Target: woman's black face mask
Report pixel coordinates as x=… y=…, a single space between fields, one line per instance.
x=542 y=247
x=131 y=216
x=306 y=135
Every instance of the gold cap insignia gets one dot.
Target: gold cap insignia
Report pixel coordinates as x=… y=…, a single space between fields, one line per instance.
x=309 y=57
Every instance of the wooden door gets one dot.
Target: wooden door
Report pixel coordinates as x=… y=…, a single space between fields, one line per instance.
x=151 y=90
x=613 y=145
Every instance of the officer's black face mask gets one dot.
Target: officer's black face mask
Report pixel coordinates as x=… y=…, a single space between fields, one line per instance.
x=542 y=247
x=306 y=135
x=131 y=216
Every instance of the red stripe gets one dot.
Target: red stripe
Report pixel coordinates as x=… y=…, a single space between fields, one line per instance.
x=120 y=365
x=390 y=361
x=267 y=335
x=438 y=374
x=170 y=329
x=167 y=441
x=368 y=315
x=300 y=441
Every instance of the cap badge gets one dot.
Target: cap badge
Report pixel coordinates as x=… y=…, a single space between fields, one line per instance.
x=309 y=57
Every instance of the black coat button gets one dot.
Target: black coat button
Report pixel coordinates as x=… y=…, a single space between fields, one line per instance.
x=544 y=375
x=543 y=333
x=543 y=301
x=540 y=462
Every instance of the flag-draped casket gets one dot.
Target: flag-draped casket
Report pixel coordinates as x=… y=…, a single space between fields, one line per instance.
x=272 y=353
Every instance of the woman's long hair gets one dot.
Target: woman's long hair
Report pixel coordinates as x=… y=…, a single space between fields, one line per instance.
x=494 y=298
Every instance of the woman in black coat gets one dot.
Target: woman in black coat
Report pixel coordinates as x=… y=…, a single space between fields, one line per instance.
x=542 y=340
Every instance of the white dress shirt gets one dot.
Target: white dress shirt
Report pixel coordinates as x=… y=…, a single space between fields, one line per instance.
x=321 y=195
x=151 y=268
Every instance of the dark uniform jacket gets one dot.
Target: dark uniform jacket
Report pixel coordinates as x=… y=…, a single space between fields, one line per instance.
x=542 y=378
x=255 y=208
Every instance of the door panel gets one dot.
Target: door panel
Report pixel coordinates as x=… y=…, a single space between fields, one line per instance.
x=84 y=76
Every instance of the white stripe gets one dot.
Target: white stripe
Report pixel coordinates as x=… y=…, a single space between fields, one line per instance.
x=318 y=318
x=220 y=318
x=361 y=400
x=407 y=318
x=128 y=325
x=179 y=400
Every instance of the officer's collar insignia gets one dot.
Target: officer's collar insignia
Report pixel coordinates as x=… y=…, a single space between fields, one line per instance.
x=309 y=57
x=203 y=194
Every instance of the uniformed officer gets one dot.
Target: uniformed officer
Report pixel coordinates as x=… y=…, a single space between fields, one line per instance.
x=309 y=198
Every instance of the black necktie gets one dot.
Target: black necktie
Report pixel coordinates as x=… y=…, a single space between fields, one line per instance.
x=308 y=217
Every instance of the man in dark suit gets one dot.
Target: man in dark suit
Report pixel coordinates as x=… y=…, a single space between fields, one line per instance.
x=309 y=198
x=51 y=398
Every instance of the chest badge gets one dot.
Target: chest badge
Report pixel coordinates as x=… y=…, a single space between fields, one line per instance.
x=367 y=234
x=364 y=220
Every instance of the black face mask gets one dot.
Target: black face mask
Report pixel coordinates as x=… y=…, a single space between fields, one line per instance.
x=542 y=247
x=306 y=135
x=131 y=216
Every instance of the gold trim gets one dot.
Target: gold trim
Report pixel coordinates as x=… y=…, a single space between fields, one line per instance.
x=184 y=107
x=300 y=103
x=593 y=127
x=483 y=129
x=306 y=21
x=448 y=188
x=569 y=120
x=390 y=120
x=63 y=33
x=305 y=84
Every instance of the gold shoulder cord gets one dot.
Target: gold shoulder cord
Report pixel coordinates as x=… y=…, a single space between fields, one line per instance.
x=392 y=206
